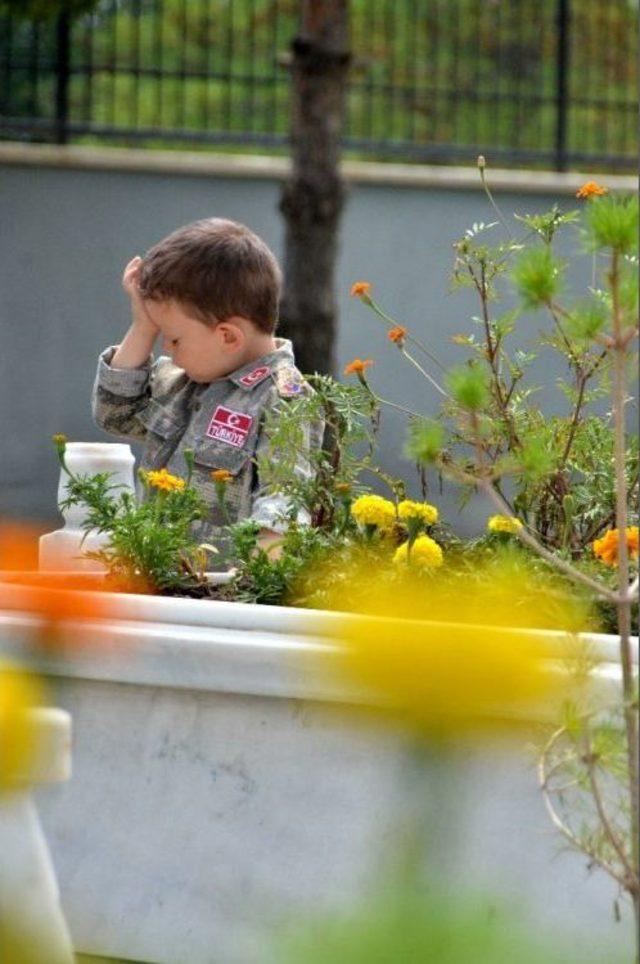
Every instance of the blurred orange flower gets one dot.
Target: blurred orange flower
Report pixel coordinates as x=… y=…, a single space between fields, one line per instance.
x=221 y=475
x=397 y=335
x=53 y=597
x=606 y=548
x=18 y=545
x=360 y=289
x=357 y=366
x=591 y=189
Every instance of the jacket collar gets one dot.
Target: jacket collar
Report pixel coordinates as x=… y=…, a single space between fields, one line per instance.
x=256 y=371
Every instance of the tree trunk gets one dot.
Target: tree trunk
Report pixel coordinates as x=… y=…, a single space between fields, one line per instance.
x=313 y=196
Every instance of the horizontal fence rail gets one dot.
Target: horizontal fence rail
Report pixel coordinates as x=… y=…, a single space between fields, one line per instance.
x=546 y=83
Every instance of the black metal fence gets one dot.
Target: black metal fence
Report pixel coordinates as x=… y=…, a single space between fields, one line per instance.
x=548 y=83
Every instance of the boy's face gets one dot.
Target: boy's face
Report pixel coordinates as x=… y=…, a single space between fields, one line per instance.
x=202 y=351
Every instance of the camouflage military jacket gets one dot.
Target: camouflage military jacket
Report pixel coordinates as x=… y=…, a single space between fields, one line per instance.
x=222 y=422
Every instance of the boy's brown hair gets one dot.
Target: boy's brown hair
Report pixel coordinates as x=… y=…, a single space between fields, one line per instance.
x=216 y=269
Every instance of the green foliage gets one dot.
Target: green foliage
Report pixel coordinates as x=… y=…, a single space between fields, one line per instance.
x=545 y=225
x=149 y=546
x=629 y=290
x=587 y=320
x=469 y=385
x=349 y=416
x=612 y=222
x=270 y=580
x=536 y=456
x=537 y=276
x=589 y=753
x=425 y=441
x=402 y=925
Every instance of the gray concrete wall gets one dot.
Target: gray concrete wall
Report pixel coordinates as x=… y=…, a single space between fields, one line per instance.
x=70 y=220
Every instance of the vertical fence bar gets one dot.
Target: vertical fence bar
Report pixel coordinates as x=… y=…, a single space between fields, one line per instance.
x=63 y=64
x=562 y=84
x=6 y=31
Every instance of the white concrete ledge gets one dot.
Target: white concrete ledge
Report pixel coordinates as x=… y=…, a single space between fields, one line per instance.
x=210 y=164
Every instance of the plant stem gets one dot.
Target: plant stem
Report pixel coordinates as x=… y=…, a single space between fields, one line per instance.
x=493 y=203
x=423 y=372
x=624 y=603
x=609 y=832
x=409 y=337
x=486 y=485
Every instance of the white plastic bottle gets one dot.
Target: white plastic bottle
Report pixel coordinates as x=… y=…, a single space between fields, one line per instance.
x=62 y=550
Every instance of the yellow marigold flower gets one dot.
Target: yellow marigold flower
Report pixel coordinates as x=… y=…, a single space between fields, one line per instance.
x=607 y=547
x=397 y=335
x=374 y=510
x=425 y=552
x=358 y=366
x=591 y=189
x=165 y=481
x=19 y=693
x=221 y=475
x=417 y=510
x=360 y=289
x=504 y=523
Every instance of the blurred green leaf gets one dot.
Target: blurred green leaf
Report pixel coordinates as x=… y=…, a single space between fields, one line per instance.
x=537 y=275
x=612 y=222
x=469 y=386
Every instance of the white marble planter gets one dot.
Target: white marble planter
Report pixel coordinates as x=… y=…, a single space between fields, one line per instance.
x=221 y=789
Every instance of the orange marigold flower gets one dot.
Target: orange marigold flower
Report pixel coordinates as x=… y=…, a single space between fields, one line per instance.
x=591 y=189
x=606 y=548
x=358 y=366
x=221 y=475
x=397 y=335
x=360 y=289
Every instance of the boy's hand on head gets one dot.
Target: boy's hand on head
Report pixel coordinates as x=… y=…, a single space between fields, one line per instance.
x=130 y=283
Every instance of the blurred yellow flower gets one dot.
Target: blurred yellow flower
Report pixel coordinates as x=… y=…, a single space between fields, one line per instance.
x=164 y=480
x=425 y=552
x=607 y=548
x=19 y=693
x=503 y=523
x=374 y=510
x=463 y=655
x=426 y=513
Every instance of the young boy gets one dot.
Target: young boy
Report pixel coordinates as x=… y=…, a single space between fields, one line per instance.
x=210 y=291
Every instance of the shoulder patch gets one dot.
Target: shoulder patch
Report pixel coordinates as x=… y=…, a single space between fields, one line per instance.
x=290 y=383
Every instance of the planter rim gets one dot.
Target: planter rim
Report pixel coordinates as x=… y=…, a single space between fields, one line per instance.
x=252 y=617
x=225 y=647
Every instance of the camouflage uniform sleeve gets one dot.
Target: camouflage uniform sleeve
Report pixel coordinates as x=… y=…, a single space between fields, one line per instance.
x=118 y=395
x=271 y=509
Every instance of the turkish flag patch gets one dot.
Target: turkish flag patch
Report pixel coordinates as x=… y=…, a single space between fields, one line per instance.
x=229 y=426
x=254 y=377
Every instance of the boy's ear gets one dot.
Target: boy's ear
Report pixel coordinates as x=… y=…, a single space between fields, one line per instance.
x=232 y=334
